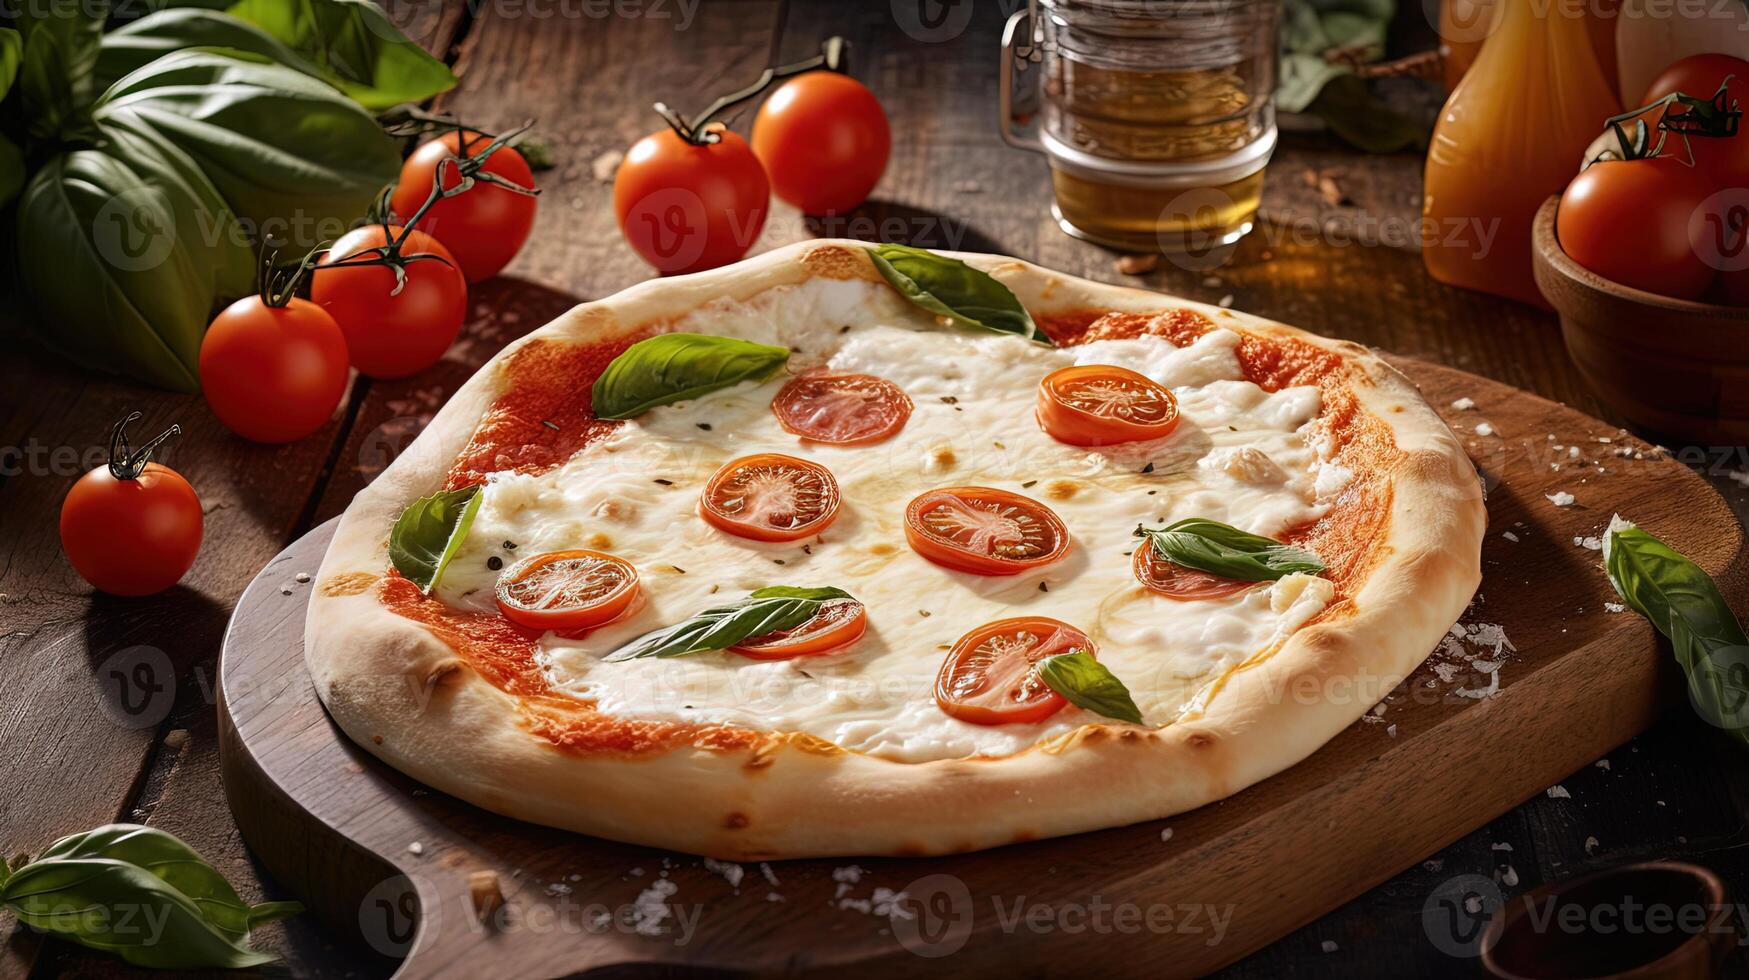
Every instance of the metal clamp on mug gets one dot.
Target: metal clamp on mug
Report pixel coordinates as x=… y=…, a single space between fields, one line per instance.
x=1157 y=116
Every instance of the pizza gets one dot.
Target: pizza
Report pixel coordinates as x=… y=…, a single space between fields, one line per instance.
x=852 y=550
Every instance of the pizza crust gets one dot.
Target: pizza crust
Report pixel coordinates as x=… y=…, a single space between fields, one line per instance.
x=409 y=699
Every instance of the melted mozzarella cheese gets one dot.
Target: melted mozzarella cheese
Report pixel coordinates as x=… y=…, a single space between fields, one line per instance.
x=1240 y=455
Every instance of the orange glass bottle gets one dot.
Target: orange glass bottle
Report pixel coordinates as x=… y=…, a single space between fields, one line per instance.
x=1510 y=135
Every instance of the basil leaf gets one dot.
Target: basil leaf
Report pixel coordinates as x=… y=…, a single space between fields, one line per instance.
x=1224 y=550
x=142 y=894
x=133 y=46
x=795 y=592
x=1683 y=603
x=54 y=70
x=1087 y=683
x=357 y=47
x=718 y=628
x=11 y=171
x=947 y=287
x=230 y=115
x=674 y=367
x=429 y=532
x=114 y=259
x=11 y=54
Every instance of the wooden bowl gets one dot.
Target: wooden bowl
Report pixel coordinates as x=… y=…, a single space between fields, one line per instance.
x=1657 y=920
x=1673 y=367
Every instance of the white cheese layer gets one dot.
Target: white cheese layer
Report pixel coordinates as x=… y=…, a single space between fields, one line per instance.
x=1240 y=455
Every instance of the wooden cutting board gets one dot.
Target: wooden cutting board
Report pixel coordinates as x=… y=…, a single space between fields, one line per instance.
x=1543 y=680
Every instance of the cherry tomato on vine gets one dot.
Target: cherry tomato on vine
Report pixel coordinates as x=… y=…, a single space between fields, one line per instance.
x=131 y=527
x=487 y=224
x=1641 y=223
x=687 y=206
x=392 y=334
x=1699 y=76
x=824 y=140
x=273 y=373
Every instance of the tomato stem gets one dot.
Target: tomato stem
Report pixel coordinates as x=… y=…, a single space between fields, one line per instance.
x=833 y=56
x=1715 y=117
x=276 y=289
x=126 y=466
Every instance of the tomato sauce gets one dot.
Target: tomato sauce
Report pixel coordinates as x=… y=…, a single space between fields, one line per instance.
x=544 y=415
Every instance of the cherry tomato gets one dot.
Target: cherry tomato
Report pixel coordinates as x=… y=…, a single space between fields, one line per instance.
x=1175 y=581
x=824 y=140
x=1100 y=404
x=273 y=373
x=1641 y=223
x=839 y=623
x=770 y=497
x=131 y=527
x=990 y=677
x=1700 y=75
x=842 y=409
x=687 y=207
x=567 y=591
x=484 y=226
x=984 y=531
x=390 y=334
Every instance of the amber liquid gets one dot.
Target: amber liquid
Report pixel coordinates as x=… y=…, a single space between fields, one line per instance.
x=1154 y=117
x=1151 y=219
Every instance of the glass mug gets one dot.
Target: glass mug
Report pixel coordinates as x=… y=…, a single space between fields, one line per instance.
x=1157 y=116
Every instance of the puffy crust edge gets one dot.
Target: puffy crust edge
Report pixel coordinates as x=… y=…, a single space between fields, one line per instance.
x=407 y=698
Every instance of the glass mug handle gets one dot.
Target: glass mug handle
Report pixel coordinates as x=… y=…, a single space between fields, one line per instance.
x=1019 y=50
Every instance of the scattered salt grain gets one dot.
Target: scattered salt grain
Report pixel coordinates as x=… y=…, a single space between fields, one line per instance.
x=1166 y=834
x=415 y=848
x=731 y=872
x=1558 y=792
x=1591 y=845
x=1464 y=404
x=1509 y=876
x=1561 y=498
x=1500 y=846
x=650 y=908
x=1508 y=535
x=1328 y=946
x=1602 y=764
x=1484 y=429
x=1614 y=607
x=1589 y=543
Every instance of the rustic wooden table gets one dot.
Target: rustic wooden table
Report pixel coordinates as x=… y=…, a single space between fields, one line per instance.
x=86 y=742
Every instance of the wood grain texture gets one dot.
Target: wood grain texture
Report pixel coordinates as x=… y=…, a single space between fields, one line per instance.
x=360 y=839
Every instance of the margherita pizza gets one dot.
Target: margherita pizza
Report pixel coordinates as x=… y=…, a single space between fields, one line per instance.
x=844 y=550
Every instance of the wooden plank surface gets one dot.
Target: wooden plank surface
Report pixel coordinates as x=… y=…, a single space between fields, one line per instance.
x=1173 y=898
x=589 y=79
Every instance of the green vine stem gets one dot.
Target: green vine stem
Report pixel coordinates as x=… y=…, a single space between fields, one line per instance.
x=833 y=56
x=1712 y=118
x=128 y=466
